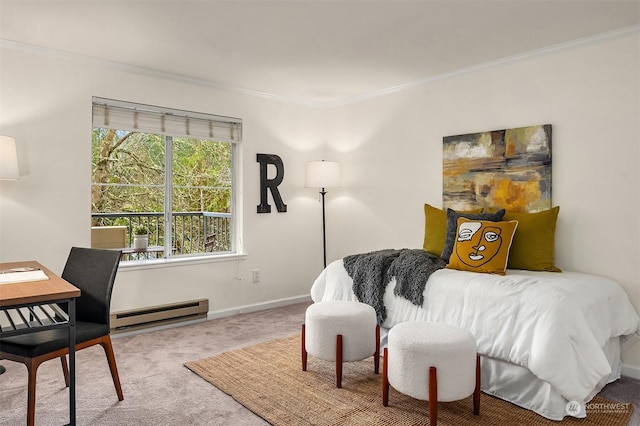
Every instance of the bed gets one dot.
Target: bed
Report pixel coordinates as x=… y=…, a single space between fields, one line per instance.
x=546 y=338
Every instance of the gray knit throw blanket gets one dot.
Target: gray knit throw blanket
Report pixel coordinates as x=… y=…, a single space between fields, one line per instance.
x=371 y=272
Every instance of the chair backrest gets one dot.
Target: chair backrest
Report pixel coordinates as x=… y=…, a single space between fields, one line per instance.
x=93 y=271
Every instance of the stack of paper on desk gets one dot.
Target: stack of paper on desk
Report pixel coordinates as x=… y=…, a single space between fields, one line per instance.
x=13 y=276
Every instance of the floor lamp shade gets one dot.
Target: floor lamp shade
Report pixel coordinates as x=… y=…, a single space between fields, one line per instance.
x=8 y=158
x=322 y=174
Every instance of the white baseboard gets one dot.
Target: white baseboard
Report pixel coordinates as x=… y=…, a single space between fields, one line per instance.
x=258 y=307
x=631 y=371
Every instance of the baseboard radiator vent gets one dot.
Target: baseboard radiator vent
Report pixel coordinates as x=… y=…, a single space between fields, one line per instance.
x=154 y=316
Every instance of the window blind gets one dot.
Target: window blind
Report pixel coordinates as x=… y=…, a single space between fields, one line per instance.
x=120 y=115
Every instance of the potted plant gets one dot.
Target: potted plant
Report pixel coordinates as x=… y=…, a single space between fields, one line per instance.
x=140 y=237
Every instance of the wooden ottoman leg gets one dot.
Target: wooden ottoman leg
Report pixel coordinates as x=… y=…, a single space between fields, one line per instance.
x=385 y=379
x=433 y=396
x=339 y=360
x=376 y=355
x=476 y=392
x=304 y=350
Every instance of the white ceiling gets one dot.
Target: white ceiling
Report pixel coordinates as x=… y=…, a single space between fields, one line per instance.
x=317 y=52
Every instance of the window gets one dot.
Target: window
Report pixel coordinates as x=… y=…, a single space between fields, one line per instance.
x=169 y=171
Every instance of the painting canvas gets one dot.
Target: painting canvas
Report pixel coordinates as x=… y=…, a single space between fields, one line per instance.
x=508 y=169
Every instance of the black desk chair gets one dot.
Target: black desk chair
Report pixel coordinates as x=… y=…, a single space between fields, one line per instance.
x=93 y=271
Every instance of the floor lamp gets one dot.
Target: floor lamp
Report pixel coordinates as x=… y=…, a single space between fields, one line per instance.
x=8 y=169
x=323 y=175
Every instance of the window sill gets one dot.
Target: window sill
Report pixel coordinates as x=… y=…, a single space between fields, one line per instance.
x=135 y=265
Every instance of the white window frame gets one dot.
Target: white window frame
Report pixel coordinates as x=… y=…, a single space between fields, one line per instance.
x=123 y=115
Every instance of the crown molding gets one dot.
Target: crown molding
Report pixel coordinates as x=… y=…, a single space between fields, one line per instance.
x=149 y=72
x=585 y=41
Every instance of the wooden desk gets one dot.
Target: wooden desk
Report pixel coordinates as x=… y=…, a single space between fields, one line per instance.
x=27 y=294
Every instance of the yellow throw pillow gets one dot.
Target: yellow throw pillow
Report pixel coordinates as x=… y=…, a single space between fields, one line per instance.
x=482 y=246
x=435 y=229
x=533 y=246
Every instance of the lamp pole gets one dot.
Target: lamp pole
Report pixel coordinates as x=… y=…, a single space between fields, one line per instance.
x=324 y=231
x=323 y=175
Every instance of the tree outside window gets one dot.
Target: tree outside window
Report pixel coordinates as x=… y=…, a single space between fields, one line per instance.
x=180 y=188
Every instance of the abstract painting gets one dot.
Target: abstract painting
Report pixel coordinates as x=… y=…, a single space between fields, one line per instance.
x=508 y=169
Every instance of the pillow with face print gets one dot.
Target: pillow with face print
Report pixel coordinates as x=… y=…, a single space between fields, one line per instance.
x=452 y=224
x=482 y=246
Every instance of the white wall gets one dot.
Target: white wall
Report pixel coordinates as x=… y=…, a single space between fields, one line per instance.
x=391 y=152
x=45 y=103
x=391 y=149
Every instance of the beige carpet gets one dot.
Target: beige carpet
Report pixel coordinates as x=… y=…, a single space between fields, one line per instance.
x=268 y=380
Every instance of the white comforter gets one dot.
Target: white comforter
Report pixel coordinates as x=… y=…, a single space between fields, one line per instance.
x=554 y=324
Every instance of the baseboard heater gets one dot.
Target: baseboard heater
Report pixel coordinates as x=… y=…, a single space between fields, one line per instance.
x=154 y=316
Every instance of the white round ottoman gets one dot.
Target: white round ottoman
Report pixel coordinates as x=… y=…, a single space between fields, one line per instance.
x=432 y=362
x=340 y=331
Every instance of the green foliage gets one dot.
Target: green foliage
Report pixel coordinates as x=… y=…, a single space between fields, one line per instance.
x=128 y=173
x=140 y=230
x=120 y=222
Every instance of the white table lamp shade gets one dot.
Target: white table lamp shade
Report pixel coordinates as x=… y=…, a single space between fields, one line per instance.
x=8 y=158
x=322 y=174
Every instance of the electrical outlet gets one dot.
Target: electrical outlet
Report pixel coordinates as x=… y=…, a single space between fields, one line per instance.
x=256 y=275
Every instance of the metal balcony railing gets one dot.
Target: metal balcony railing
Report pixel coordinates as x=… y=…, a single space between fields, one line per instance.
x=191 y=232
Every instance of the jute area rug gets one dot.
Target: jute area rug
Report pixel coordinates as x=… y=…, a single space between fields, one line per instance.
x=268 y=380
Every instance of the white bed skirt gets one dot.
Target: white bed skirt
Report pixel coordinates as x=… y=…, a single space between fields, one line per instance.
x=519 y=386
